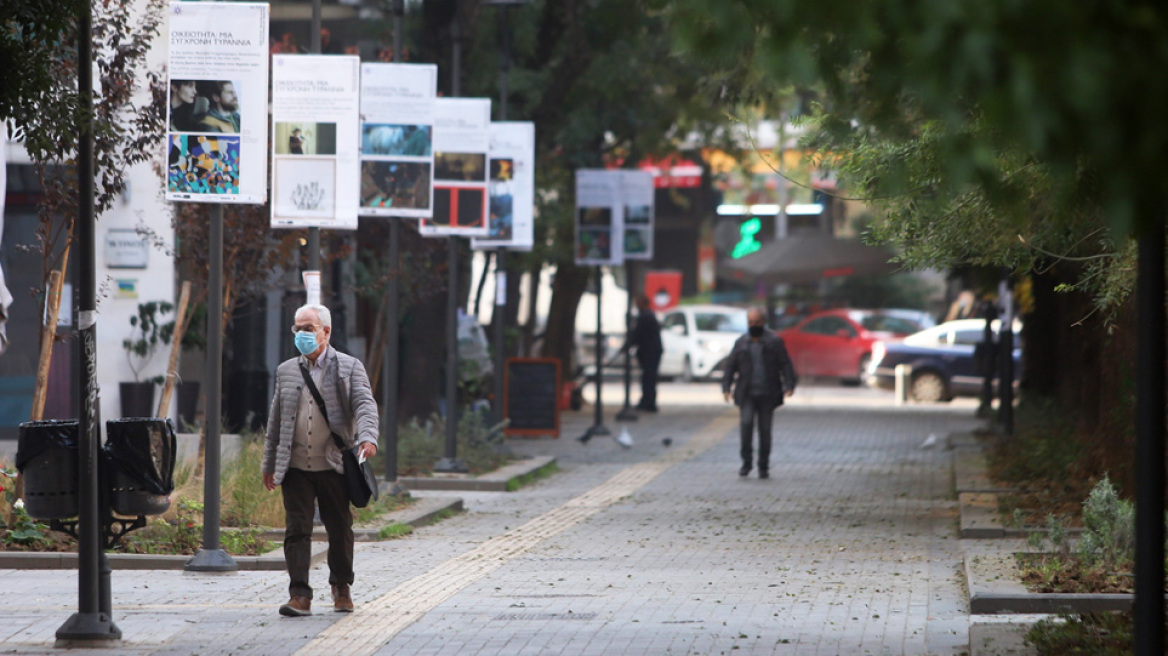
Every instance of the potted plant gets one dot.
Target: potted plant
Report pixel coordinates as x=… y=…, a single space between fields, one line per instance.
x=146 y=334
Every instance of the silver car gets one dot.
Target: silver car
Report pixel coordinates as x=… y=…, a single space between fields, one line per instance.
x=697 y=339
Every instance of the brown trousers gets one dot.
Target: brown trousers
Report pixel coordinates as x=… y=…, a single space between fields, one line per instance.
x=327 y=489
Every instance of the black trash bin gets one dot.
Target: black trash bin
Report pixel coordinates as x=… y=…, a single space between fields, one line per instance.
x=48 y=460
x=139 y=456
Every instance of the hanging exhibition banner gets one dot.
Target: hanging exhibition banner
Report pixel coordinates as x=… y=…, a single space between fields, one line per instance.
x=637 y=193
x=599 y=217
x=462 y=139
x=315 y=149
x=511 y=190
x=397 y=139
x=217 y=97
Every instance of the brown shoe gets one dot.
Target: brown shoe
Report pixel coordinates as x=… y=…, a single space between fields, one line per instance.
x=297 y=607
x=342 y=601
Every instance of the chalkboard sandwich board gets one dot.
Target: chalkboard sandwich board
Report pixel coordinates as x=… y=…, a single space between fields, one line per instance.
x=530 y=396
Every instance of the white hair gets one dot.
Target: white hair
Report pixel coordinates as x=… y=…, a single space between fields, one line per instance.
x=326 y=317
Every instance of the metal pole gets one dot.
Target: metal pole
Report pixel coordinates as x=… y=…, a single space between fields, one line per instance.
x=498 y=316
x=1149 y=469
x=1006 y=379
x=450 y=463
x=314 y=233
x=392 y=327
x=211 y=557
x=91 y=622
x=627 y=413
x=598 y=427
x=987 y=363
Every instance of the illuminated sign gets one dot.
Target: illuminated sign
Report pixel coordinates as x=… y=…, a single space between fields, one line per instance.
x=748 y=241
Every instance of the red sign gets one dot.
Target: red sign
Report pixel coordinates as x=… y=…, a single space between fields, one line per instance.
x=663 y=289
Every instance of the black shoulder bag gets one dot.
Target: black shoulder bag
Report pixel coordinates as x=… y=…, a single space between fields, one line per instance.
x=359 y=478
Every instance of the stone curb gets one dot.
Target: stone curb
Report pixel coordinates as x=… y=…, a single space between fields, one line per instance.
x=495 y=481
x=419 y=514
x=995 y=587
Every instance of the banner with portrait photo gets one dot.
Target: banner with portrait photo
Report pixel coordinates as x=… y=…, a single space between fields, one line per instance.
x=397 y=139
x=637 y=196
x=315 y=141
x=462 y=141
x=511 y=188
x=599 y=217
x=217 y=102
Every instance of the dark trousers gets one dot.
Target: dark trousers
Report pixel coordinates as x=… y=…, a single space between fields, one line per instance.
x=760 y=409
x=327 y=488
x=649 y=362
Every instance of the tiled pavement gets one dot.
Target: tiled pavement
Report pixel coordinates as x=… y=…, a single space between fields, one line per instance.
x=850 y=548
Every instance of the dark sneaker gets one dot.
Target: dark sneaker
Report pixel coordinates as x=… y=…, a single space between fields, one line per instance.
x=762 y=473
x=297 y=607
x=745 y=471
x=342 y=601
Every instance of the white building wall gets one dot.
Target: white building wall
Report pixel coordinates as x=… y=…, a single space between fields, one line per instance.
x=142 y=204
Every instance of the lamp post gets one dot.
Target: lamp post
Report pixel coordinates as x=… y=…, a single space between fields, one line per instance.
x=497 y=316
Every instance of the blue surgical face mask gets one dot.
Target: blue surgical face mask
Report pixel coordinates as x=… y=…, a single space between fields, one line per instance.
x=306 y=342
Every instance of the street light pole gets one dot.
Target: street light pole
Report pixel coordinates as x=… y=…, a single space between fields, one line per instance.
x=450 y=464
x=93 y=620
x=314 y=233
x=389 y=375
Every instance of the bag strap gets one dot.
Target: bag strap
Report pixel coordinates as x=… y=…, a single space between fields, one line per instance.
x=320 y=404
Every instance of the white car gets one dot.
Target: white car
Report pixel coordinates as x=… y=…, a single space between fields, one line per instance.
x=697 y=339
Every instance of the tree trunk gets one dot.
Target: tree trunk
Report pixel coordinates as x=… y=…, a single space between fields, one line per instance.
x=560 y=335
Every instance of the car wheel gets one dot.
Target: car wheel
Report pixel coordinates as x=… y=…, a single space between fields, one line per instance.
x=929 y=387
x=686 y=371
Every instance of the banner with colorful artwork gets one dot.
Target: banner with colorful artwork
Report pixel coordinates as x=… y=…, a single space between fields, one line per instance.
x=599 y=217
x=511 y=194
x=397 y=139
x=217 y=100
x=462 y=139
x=637 y=192
x=315 y=148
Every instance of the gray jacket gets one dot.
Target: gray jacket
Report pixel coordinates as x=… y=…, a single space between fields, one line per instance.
x=352 y=412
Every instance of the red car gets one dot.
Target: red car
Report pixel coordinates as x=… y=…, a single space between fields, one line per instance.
x=838 y=343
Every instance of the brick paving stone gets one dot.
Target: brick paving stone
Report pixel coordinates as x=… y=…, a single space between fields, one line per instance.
x=856 y=522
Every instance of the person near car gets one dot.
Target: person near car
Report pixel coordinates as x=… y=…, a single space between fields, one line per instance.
x=646 y=338
x=758 y=375
x=302 y=458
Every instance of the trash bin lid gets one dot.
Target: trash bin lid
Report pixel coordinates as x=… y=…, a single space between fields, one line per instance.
x=36 y=437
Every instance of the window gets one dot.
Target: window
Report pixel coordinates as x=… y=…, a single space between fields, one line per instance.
x=676 y=319
x=719 y=322
x=829 y=326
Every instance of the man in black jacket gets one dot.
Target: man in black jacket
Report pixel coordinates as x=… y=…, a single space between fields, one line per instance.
x=760 y=373
x=646 y=337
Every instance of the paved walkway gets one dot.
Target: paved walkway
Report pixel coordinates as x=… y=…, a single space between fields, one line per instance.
x=850 y=548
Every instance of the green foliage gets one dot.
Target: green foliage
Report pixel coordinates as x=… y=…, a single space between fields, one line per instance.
x=246 y=501
x=1109 y=528
x=183 y=534
x=394 y=531
x=25 y=531
x=421 y=446
x=30 y=33
x=1075 y=86
x=146 y=334
x=531 y=477
x=1093 y=634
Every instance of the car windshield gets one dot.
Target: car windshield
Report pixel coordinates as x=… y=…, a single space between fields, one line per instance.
x=720 y=322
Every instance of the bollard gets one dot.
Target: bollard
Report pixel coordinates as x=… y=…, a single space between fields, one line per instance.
x=901 y=375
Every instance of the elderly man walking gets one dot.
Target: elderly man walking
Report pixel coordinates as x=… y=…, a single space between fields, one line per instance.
x=761 y=374
x=301 y=455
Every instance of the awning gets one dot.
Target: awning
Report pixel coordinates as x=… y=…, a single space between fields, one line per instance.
x=808 y=259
